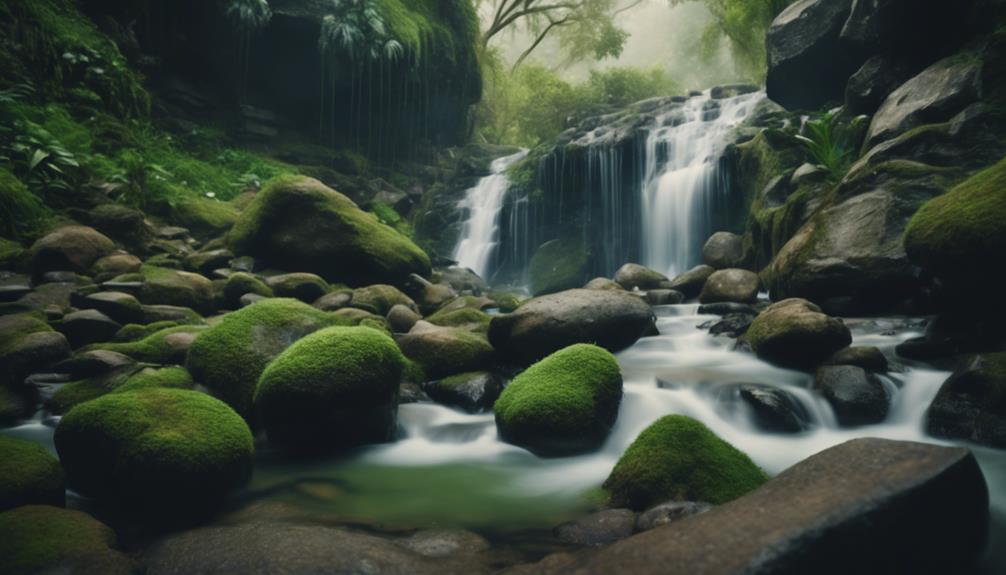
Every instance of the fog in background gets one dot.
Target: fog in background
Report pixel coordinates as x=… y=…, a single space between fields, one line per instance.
x=660 y=36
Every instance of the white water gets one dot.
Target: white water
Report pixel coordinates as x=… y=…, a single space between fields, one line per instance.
x=482 y=204
x=676 y=192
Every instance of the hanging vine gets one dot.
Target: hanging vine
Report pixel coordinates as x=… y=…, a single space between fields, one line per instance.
x=247 y=17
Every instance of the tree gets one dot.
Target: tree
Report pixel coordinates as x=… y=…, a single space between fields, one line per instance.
x=584 y=27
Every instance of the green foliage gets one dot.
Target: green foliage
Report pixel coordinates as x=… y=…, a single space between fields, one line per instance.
x=248 y=15
x=678 y=458
x=563 y=404
x=388 y=216
x=22 y=214
x=28 y=474
x=830 y=143
x=358 y=29
x=533 y=104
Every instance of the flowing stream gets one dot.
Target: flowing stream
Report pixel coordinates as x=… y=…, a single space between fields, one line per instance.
x=482 y=204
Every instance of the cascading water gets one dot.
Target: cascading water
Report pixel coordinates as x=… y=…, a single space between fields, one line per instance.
x=682 y=177
x=482 y=205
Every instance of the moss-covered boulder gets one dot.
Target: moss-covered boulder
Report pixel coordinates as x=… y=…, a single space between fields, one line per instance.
x=177 y=288
x=16 y=405
x=795 y=333
x=70 y=248
x=165 y=346
x=444 y=351
x=558 y=265
x=161 y=449
x=380 y=299
x=470 y=319
x=241 y=283
x=29 y=475
x=678 y=458
x=337 y=387
x=229 y=357
x=300 y=285
x=634 y=276
x=27 y=344
x=45 y=539
x=118 y=380
x=299 y=223
x=961 y=235
x=564 y=404
x=175 y=377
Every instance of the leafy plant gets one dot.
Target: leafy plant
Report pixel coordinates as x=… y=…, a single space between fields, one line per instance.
x=357 y=28
x=829 y=142
x=248 y=15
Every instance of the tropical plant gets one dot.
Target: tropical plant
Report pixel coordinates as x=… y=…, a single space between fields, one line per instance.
x=34 y=154
x=829 y=142
x=357 y=28
x=248 y=15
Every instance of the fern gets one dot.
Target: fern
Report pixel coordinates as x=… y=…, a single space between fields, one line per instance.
x=249 y=15
x=357 y=28
x=829 y=143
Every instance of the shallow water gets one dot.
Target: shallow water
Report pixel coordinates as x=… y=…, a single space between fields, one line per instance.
x=450 y=470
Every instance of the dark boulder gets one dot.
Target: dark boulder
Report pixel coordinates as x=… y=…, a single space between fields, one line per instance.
x=635 y=276
x=598 y=529
x=971 y=404
x=858 y=397
x=794 y=333
x=692 y=281
x=731 y=285
x=723 y=250
x=473 y=392
x=774 y=409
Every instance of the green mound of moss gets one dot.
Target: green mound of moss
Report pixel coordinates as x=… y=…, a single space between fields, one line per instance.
x=337 y=387
x=678 y=458
x=159 y=449
x=229 y=357
x=44 y=539
x=29 y=475
x=165 y=346
x=242 y=283
x=564 y=404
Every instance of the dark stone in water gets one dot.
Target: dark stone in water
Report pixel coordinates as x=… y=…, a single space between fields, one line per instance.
x=857 y=397
x=867 y=506
x=726 y=308
x=733 y=325
x=473 y=392
x=669 y=512
x=971 y=404
x=774 y=408
x=599 y=528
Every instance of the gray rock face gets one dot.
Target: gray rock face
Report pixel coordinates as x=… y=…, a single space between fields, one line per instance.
x=692 y=281
x=857 y=397
x=723 y=250
x=806 y=66
x=121 y=307
x=633 y=276
x=731 y=285
x=795 y=333
x=972 y=402
x=873 y=83
x=669 y=512
x=936 y=95
x=774 y=409
x=903 y=507
x=401 y=318
x=613 y=320
x=867 y=357
x=599 y=528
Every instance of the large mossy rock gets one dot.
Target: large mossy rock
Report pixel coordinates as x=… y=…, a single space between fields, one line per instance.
x=731 y=285
x=795 y=333
x=613 y=320
x=29 y=475
x=160 y=449
x=806 y=66
x=678 y=458
x=299 y=223
x=445 y=351
x=164 y=346
x=634 y=276
x=558 y=265
x=564 y=404
x=166 y=286
x=971 y=404
x=337 y=387
x=27 y=344
x=44 y=539
x=70 y=248
x=903 y=507
x=229 y=357
x=961 y=235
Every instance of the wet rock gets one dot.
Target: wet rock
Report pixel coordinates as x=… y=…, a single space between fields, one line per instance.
x=635 y=276
x=334 y=301
x=598 y=529
x=858 y=397
x=205 y=262
x=114 y=265
x=613 y=320
x=74 y=248
x=177 y=288
x=28 y=344
x=873 y=83
x=774 y=408
x=669 y=512
x=409 y=392
x=907 y=507
x=379 y=299
x=302 y=286
x=603 y=284
x=88 y=326
x=733 y=325
x=723 y=250
x=558 y=265
x=429 y=296
x=462 y=280
x=867 y=357
x=806 y=65
x=445 y=543
x=444 y=351
x=727 y=308
x=91 y=363
x=401 y=318
x=794 y=333
x=731 y=285
x=971 y=404
x=473 y=392
x=126 y=225
x=121 y=307
x=664 y=297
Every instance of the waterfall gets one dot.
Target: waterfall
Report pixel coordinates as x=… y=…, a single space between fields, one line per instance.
x=481 y=206
x=681 y=178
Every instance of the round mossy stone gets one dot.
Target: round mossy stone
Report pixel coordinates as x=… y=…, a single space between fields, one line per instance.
x=161 y=449
x=678 y=458
x=564 y=404
x=241 y=283
x=334 y=388
x=44 y=539
x=229 y=357
x=29 y=475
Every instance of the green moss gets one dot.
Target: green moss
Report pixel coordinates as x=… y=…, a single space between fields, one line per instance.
x=14 y=328
x=185 y=446
x=229 y=357
x=44 y=539
x=380 y=299
x=559 y=265
x=300 y=223
x=151 y=378
x=22 y=214
x=962 y=233
x=134 y=331
x=241 y=283
x=10 y=253
x=75 y=393
x=173 y=287
x=389 y=217
x=335 y=387
x=468 y=318
x=565 y=403
x=160 y=347
x=678 y=458
x=447 y=351
x=203 y=215
x=28 y=475
x=412 y=372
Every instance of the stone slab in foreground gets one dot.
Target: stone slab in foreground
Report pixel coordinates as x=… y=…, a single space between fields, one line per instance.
x=865 y=506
